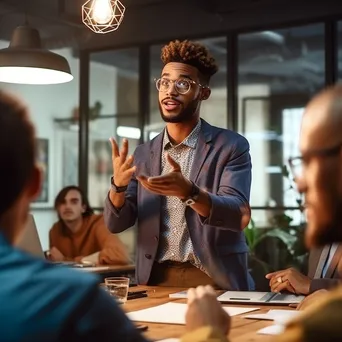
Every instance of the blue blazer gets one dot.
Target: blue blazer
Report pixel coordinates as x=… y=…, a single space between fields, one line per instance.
x=222 y=167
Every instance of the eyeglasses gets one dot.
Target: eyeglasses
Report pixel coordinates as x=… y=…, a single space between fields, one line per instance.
x=297 y=164
x=182 y=85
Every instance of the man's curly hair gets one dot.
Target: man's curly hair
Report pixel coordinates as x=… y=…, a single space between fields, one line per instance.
x=191 y=53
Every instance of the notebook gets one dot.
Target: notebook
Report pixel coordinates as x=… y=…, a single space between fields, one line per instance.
x=253 y=297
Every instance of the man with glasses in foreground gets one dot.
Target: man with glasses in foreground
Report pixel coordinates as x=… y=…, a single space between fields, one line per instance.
x=321 y=184
x=189 y=187
x=324 y=261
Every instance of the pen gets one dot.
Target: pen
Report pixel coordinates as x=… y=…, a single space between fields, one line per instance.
x=131 y=293
x=235 y=298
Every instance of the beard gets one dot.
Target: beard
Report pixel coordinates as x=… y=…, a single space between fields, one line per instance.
x=326 y=233
x=187 y=114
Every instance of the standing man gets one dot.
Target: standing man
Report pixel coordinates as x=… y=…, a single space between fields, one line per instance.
x=80 y=235
x=189 y=187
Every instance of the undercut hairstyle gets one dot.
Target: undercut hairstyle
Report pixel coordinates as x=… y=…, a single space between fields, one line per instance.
x=60 y=198
x=17 y=150
x=191 y=53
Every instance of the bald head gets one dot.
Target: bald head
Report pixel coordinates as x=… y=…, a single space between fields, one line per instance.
x=322 y=120
x=321 y=180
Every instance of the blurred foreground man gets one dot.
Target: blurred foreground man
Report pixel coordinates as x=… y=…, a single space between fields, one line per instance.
x=318 y=173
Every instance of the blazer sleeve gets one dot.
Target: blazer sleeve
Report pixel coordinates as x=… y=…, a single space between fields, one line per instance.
x=230 y=207
x=118 y=220
x=324 y=284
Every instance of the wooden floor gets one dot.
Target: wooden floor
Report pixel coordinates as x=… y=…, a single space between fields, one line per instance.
x=243 y=329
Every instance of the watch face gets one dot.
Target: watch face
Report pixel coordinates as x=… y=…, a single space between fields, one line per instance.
x=189 y=201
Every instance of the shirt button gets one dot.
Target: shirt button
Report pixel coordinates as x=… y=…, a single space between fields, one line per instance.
x=173 y=254
x=148 y=256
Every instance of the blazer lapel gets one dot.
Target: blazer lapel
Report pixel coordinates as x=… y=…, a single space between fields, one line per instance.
x=202 y=149
x=314 y=258
x=334 y=262
x=155 y=155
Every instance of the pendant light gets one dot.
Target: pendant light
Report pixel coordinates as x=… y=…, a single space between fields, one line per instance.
x=103 y=16
x=26 y=62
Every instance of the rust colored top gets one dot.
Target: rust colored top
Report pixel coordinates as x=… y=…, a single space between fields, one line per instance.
x=93 y=237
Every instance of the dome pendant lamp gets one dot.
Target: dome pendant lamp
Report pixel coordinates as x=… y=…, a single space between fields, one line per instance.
x=26 y=62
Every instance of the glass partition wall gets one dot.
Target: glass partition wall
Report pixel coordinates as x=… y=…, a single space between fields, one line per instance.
x=265 y=79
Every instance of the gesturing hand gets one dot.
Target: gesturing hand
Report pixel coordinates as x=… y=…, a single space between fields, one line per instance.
x=170 y=184
x=122 y=165
x=290 y=280
x=205 y=310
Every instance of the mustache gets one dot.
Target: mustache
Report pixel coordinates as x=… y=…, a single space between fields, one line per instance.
x=171 y=99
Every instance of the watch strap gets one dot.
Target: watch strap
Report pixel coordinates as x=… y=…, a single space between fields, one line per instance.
x=116 y=188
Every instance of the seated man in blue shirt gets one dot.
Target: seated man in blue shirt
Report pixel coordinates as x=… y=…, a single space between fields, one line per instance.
x=39 y=301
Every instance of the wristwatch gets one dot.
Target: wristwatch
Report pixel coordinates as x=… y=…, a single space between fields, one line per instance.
x=194 y=194
x=115 y=188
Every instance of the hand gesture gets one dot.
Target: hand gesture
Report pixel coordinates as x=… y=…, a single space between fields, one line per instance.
x=122 y=165
x=55 y=254
x=170 y=184
x=289 y=280
x=205 y=310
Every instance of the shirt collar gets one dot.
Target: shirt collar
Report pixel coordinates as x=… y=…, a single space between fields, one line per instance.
x=190 y=140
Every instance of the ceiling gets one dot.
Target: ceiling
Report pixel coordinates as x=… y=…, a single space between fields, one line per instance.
x=290 y=59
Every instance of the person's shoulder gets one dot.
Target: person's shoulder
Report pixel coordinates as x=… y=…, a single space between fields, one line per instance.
x=46 y=280
x=147 y=146
x=228 y=137
x=56 y=227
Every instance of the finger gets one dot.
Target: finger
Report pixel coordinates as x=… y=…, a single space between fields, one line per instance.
x=115 y=148
x=124 y=150
x=279 y=275
x=173 y=163
x=128 y=163
x=200 y=291
x=191 y=295
x=145 y=185
x=160 y=179
x=284 y=286
x=142 y=178
x=129 y=172
x=210 y=290
x=273 y=274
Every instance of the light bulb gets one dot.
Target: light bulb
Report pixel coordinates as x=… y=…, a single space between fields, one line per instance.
x=102 y=11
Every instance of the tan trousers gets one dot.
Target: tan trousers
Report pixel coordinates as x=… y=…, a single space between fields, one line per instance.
x=176 y=274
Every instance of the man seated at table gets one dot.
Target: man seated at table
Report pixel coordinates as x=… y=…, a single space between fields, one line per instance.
x=80 y=235
x=323 y=273
x=321 y=182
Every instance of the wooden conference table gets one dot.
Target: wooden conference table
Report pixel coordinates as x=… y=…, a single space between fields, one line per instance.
x=242 y=330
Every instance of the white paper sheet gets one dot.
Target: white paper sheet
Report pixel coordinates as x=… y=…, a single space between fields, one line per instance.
x=279 y=316
x=169 y=340
x=271 y=330
x=174 y=313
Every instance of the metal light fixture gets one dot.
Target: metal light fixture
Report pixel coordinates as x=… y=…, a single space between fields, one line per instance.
x=103 y=16
x=26 y=62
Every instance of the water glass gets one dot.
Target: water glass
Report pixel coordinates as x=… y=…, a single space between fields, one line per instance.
x=118 y=288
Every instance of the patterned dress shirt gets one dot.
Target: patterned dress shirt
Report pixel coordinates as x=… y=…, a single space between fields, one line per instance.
x=175 y=242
